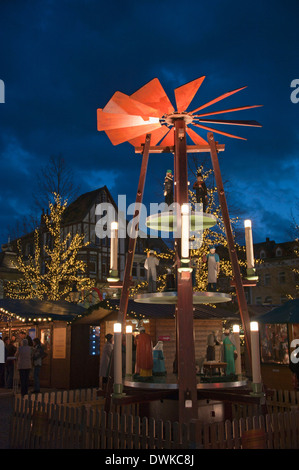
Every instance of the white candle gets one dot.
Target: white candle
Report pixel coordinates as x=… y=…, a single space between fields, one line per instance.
x=117 y=354
x=128 y=350
x=255 y=353
x=249 y=244
x=185 y=231
x=236 y=332
x=114 y=247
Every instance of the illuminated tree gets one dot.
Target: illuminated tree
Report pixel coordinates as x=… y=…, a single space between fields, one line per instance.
x=62 y=268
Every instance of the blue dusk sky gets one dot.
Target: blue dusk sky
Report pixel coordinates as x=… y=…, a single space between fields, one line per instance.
x=63 y=59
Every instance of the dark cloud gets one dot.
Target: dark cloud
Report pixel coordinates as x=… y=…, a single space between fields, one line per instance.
x=61 y=60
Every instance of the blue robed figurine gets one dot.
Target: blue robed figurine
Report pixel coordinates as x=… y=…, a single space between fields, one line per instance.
x=213 y=261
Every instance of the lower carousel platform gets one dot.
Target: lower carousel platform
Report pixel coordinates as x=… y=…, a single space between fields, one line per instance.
x=170 y=382
x=171 y=297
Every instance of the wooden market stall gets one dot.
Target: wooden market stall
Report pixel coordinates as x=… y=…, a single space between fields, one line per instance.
x=278 y=328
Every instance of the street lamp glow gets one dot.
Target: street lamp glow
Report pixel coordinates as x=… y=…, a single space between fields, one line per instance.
x=236 y=329
x=247 y=223
x=129 y=329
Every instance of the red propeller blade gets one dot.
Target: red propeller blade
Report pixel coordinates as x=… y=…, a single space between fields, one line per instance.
x=219 y=132
x=232 y=123
x=118 y=136
x=185 y=93
x=195 y=137
x=229 y=110
x=156 y=136
x=121 y=103
x=168 y=141
x=153 y=94
x=221 y=97
x=107 y=121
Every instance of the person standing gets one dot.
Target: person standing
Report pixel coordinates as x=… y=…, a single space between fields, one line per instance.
x=213 y=268
x=211 y=343
x=10 y=351
x=37 y=355
x=105 y=361
x=201 y=192
x=144 y=354
x=228 y=354
x=150 y=265
x=24 y=365
x=168 y=188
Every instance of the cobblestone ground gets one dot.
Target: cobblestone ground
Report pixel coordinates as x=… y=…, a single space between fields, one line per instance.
x=6 y=406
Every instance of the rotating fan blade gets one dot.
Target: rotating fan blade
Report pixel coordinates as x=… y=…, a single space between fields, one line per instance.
x=228 y=110
x=185 y=93
x=221 y=97
x=219 y=132
x=156 y=136
x=120 y=103
x=107 y=121
x=168 y=141
x=232 y=123
x=195 y=137
x=118 y=136
x=153 y=94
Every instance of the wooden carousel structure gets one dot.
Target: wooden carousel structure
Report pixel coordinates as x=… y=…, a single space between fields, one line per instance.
x=147 y=120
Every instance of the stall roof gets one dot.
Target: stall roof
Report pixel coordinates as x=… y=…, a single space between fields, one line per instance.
x=285 y=313
x=34 y=309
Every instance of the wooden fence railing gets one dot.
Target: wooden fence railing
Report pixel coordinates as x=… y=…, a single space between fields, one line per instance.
x=76 y=420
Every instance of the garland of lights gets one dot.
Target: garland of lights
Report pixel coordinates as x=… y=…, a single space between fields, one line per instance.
x=62 y=268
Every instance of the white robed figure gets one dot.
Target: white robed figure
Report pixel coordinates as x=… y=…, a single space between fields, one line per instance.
x=150 y=265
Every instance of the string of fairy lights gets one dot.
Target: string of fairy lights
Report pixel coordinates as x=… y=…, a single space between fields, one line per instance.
x=62 y=268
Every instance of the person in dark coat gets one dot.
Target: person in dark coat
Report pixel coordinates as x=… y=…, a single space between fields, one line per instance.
x=201 y=192
x=10 y=351
x=105 y=360
x=168 y=188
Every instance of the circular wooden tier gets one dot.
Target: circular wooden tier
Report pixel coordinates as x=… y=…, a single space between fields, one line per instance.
x=166 y=221
x=172 y=297
x=170 y=382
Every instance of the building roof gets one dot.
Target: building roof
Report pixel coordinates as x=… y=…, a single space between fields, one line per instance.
x=78 y=209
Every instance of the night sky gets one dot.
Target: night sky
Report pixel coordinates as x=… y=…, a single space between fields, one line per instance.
x=61 y=60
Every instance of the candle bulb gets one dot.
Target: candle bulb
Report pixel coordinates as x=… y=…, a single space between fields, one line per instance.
x=236 y=333
x=128 y=350
x=113 y=273
x=249 y=250
x=117 y=356
x=185 y=231
x=255 y=358
x=185 y=235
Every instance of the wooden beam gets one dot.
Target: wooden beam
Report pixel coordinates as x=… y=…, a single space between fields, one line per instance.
x=231 y=244
x=171 y=149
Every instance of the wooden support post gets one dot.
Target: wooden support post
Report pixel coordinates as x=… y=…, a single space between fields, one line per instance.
x=185 y=339
x=124 y=298
x=231 y=244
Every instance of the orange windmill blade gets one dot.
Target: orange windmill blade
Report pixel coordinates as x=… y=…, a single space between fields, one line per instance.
x=185 y=93
x=149 y=110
